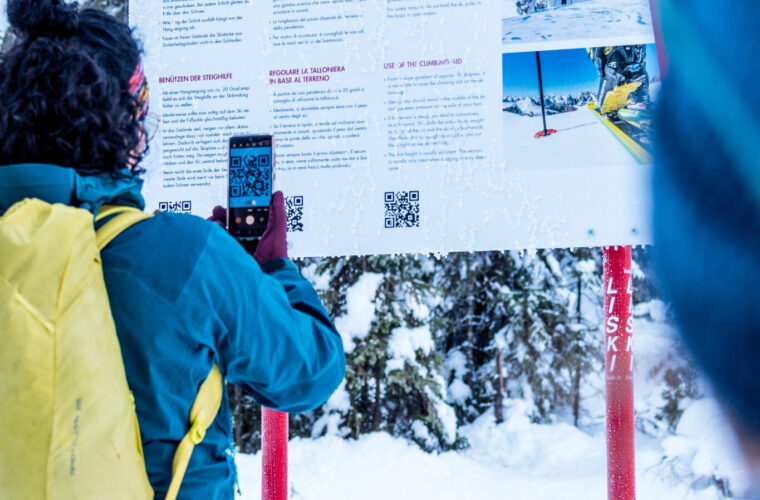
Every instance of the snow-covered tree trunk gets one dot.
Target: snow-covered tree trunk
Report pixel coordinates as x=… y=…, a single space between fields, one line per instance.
x=498 y=404
x=470 y=346
x=576 y=392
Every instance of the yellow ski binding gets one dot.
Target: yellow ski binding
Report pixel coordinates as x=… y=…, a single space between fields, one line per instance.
x=618 y=98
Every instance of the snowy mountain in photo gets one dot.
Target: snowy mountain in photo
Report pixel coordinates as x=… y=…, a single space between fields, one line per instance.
x=581 y=20
x=531 y=106
x=556 y=104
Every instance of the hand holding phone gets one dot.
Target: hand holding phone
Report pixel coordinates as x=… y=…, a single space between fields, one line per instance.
x=273 y=243
x=219 y=215
x=250 y=187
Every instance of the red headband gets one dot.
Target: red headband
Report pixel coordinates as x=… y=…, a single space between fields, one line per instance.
x=138 y=88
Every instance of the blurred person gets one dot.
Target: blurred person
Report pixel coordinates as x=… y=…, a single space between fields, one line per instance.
x=75 y=124
x=707 y=198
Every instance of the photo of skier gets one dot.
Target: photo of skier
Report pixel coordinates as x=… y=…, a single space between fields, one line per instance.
x=621 y=65
x=577 y=108
x=622 y=104
x=529 y=21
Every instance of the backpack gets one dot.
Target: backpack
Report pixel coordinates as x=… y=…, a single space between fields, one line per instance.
x=68 y=427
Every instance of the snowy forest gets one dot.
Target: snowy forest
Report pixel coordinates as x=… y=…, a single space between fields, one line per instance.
x=443 y=351
x=438 y=346
x=433 y=343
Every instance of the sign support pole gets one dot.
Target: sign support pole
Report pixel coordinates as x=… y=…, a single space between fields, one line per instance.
x=274 y=454
x=618 y=327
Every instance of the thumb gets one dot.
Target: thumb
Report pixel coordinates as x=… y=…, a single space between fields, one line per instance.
x=277 y=216
x=219 y=212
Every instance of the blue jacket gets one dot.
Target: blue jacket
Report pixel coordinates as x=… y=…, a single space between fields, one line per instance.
x=185 y=295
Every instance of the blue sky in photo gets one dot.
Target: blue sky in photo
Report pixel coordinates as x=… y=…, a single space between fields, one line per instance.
x=564 y=72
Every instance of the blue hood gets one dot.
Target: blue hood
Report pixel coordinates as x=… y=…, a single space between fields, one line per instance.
x=55 y=184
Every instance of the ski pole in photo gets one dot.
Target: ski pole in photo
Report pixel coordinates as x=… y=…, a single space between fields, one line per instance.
x=545 y=132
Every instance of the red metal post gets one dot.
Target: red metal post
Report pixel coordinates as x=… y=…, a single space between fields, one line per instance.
x=618 y=327
x=274 y=455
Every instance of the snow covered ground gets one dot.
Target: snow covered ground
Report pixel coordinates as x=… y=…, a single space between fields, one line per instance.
x=581 y=141
x=516 y=460
x=582 y=20
x=522 y=460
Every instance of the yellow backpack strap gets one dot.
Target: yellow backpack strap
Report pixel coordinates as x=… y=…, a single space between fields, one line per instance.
x=125 y=218
x=106 y=210
x=209 y=398
x=202 y=415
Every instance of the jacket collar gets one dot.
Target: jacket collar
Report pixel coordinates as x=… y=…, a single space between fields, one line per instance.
x=55 y=184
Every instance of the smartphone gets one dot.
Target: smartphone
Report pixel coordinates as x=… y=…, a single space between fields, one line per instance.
x=251 y=171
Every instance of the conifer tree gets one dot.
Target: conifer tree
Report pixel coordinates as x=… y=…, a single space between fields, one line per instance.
x=117 y=8
x=7 y=40
x=246 y=420
x=506 y=330
x=580 y=348
x=536 y=324
x=392 y=373
x=473 y=309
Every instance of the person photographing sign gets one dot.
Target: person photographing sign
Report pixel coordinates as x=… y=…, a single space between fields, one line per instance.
x=186 y=300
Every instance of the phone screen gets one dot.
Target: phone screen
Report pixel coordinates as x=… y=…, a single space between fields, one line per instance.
x=250 y=185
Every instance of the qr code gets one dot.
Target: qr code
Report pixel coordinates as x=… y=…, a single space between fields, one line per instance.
x=294 y=211
x=402 y=209
x=250 y=176
x=182 y=207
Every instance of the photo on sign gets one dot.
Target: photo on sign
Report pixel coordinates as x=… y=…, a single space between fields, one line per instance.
x=526 y=21
x=595 y=112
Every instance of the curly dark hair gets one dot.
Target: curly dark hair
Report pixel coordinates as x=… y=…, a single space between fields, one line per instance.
x=63 y=97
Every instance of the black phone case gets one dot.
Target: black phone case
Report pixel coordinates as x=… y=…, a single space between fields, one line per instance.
x=253 y=219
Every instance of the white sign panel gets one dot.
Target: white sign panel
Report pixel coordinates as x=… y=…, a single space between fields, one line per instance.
x=409 y=125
